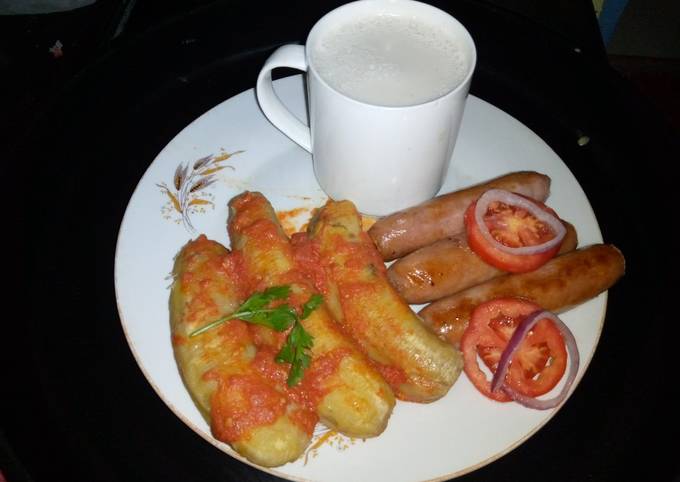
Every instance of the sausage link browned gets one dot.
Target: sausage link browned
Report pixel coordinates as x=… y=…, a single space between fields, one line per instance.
x=405 y=231
x=561 y=283
x=447 y=267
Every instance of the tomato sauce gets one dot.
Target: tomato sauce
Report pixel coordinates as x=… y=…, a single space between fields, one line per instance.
x=315 y=383
x=295 y=220
x=210 y=273
x=355 y=255
x=249 y=208
x=232 y=269
x=265 y=364
x=393 y=375
x=235 y=333
x=201 y=306
x=305 y=419
x=266 y=234
x=301 y=288
x=276 y=375
x=351 y=293
x=242 y=403
x=266 y=337
x=271 y=255
x=185 y=280
x=307 y=256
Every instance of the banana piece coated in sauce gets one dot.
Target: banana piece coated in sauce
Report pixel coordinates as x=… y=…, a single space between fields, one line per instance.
x=419 y=366
x=350 y=395
x=222 y=368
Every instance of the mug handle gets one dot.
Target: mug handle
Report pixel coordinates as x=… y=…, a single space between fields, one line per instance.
x=286 y=56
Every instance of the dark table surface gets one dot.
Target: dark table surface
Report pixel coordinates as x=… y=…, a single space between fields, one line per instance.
x=75 y=404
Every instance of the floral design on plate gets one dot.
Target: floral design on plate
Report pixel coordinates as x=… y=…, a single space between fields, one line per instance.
x=187 y=195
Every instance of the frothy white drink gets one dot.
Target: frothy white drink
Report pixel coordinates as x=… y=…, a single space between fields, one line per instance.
x=390 y=60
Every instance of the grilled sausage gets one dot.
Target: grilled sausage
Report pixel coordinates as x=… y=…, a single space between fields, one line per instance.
x=561 y=283
x=419 y=366
x=350 y=396
x=405 y=231
x=448 y=266
x=218 y=367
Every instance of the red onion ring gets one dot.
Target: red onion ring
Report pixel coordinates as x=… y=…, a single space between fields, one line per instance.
x=515 y=341
x=512 y=199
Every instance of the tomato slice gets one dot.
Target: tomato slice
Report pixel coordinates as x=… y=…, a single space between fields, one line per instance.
x=540 y=360
x=511 y=226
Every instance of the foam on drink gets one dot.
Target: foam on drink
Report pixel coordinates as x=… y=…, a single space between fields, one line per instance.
x=390 y=60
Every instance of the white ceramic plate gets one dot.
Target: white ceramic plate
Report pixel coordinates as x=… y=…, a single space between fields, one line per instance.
x=452 y=436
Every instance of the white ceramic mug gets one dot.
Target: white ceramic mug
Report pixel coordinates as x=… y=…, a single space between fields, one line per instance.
x=383 y=156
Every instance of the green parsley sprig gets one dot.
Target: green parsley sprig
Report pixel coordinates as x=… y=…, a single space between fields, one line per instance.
x=257 y=310
x=295 y=351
